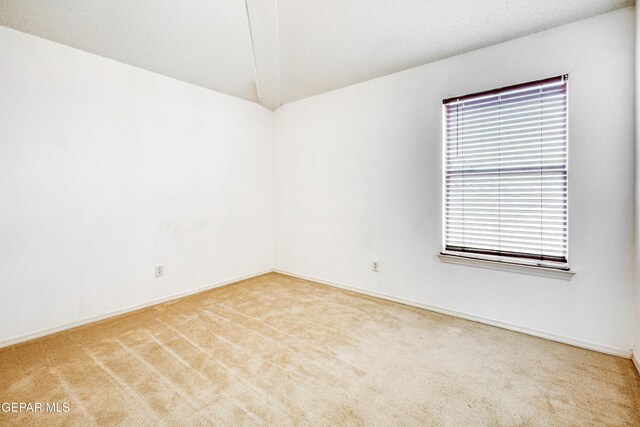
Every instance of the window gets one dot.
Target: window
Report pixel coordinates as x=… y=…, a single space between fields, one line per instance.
x=505 y=174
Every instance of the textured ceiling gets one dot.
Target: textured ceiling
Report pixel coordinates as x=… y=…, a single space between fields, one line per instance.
x=327 y=44
x=278 y=51
x=204 y=42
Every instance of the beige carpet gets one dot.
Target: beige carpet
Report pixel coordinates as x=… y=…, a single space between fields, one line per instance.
x=275 y=350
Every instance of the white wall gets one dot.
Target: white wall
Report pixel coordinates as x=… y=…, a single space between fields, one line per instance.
x=636 y=349
x=107 y=170
x=358 y=177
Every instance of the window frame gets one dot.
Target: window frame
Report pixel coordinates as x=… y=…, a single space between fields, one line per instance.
x=490 y=259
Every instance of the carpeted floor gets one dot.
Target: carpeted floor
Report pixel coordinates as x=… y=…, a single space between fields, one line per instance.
x=276 y=350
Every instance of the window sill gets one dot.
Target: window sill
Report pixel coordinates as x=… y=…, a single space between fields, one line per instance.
x=503 y=266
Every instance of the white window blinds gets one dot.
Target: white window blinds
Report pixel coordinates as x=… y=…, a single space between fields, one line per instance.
x=505 y=174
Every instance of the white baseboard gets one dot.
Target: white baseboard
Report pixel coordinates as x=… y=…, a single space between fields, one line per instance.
x=547 y=335
x=85 y=321
x=602 y=348
x=636 y=360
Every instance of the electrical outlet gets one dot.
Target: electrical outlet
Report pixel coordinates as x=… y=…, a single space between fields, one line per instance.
x=375 y=266
x=159 y=270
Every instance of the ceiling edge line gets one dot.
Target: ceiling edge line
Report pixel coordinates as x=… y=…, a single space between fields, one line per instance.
x=278 y=53
x=253 y=53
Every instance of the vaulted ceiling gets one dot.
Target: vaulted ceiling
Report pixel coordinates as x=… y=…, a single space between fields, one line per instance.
x=278 y=51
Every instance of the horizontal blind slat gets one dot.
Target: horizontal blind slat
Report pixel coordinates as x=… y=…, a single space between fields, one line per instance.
x=513 y=113
x=458 y=123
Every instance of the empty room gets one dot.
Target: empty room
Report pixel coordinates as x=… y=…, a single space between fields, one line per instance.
x=319 y=212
